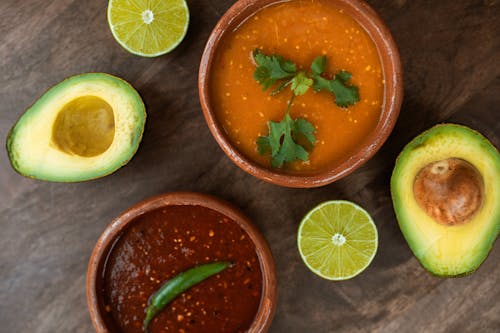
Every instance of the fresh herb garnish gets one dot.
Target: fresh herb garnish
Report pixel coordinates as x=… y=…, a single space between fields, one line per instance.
x=272 y=68
x=345 y=95
x=283 y=137
x=301 y=83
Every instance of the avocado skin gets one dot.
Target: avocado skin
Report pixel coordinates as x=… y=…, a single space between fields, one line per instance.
x=414 y=144
x=54 y=90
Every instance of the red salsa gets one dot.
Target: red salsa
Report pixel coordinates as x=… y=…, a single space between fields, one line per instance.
x=163 y=243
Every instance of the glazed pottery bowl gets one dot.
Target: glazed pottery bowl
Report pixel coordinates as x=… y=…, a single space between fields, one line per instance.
x=267 y=305
x=393 y=94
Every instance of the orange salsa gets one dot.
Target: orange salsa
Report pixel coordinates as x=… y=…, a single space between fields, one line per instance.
x=298 y=30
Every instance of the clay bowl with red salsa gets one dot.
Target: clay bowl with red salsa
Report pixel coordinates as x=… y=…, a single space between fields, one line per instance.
x=159 y=238
x=352 y=38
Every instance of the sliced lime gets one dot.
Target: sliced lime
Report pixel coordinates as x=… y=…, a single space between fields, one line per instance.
x=148 y=28
x=337 y=240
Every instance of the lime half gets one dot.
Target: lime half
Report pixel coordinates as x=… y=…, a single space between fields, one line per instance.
x=337 y=240
x=148 y=28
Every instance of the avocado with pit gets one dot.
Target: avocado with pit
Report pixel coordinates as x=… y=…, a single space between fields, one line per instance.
x=446 y=194
x=83 y=128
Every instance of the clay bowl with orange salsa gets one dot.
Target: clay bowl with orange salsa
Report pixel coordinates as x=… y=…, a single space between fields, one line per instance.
x=351 y=37
x=155 y=241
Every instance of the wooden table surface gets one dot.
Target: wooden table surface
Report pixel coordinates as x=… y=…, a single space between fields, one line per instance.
x=451 y=55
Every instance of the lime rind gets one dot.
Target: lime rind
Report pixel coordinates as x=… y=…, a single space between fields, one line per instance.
x=135 y=25
x=329 y=261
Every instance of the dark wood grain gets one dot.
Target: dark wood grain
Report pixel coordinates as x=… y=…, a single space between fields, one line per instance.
x=451 y=55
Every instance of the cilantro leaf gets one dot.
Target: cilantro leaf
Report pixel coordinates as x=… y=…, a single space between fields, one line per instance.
x=301 y=83
x=345 y=94
x=271 y=68
x=302 y=126
x=263 y=145
x=343 y=76
x=320 y=83
x=318 y=65
x=281 y=140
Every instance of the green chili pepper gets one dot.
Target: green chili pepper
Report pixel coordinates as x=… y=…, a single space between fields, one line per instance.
x=179 y=284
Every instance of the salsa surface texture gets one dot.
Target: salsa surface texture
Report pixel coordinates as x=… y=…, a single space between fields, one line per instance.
x=165 y=242
x=298 y=31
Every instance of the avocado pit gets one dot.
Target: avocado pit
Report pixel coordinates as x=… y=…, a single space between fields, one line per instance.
x=85 y=127
x=451 y=191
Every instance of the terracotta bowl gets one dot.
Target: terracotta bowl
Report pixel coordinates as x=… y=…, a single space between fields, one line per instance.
x=393 y=93
x=267 y=305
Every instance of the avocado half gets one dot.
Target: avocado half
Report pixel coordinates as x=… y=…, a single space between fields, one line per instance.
x=83 y=128
x=446 y=194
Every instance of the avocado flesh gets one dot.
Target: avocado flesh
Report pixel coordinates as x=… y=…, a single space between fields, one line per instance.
x=83 y=128
x=448 y=250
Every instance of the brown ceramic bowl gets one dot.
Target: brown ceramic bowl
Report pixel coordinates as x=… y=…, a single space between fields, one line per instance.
x=393 y=93
x=267 y=305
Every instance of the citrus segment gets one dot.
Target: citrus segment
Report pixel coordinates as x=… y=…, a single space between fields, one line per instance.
x=148 y=28
x=337 y=240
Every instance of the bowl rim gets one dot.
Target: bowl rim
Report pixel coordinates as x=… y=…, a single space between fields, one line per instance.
x=389 y=57
x=267 y=306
